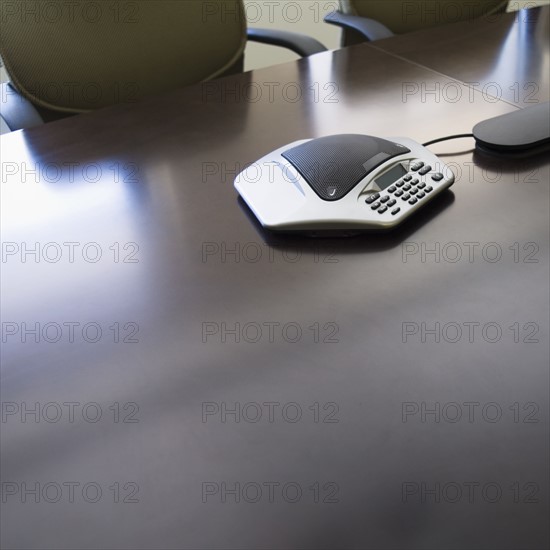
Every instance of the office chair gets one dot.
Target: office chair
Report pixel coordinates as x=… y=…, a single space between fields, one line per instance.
x=367 y=20
x=64 y=57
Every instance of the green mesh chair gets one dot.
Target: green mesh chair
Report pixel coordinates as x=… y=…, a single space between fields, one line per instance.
x=72 y=57
x=366 y=20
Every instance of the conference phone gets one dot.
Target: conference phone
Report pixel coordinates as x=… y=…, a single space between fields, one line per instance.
x=342 y=182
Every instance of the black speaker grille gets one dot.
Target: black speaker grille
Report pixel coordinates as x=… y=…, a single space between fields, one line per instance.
x=334 y=165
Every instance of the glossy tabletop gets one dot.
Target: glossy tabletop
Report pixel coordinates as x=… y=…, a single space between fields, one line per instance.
x=198 y=383
x=511 y=54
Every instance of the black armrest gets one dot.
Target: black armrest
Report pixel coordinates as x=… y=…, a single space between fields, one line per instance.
x=368 y=28
x=16 y=111
x=299 y=43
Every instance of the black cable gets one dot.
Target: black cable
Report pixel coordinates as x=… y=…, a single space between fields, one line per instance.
x=457 y=136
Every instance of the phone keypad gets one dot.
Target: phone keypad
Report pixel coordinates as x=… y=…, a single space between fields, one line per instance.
x=409 y=188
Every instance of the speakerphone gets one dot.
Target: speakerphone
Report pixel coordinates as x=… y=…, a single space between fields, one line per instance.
x=342 y=182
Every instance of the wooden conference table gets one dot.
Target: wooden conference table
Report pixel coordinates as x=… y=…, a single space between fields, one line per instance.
x=173 y=377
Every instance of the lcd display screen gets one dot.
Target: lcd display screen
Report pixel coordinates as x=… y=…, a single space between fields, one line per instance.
x=391 y=176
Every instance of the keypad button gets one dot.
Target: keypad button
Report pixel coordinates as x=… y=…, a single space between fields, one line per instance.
x=420 y=195
x=392 y=189
x=407 y=187
x=429 y=189
x=395 y=211
x=371 y=198
x=392 y=202
x=413 y=191
x=437 y=176
x=416 y=165
x=398 y=193
x=408 y=177
x=425 y=170
x=405 y=197
x=413 y=201
x=385 y=198
x=421 y=185
x=375 y=206
x=382 y=210
x=400 y=183
x=415 y=181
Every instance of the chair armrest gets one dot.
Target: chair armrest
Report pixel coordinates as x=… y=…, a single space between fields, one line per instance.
x=299 y=43
x=16 y=111
x=368 y=28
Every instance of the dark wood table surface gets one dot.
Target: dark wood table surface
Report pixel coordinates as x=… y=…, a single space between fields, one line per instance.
x=159 y=307
x=510 y=53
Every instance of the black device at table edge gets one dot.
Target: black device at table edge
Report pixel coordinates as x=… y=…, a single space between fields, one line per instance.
x=519 y=132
